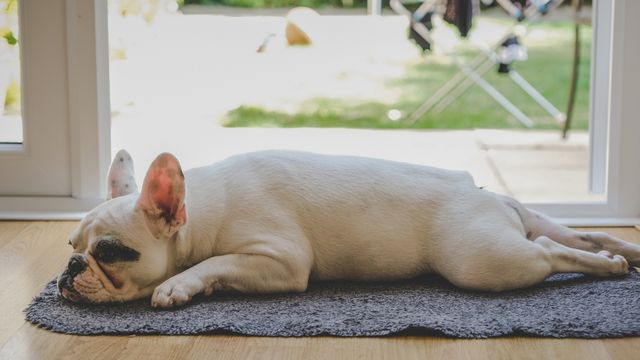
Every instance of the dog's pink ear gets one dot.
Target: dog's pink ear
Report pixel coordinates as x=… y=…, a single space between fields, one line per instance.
x=162 y=196
x=121 y=180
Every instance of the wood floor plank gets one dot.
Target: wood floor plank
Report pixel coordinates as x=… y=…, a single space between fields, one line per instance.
x=32 y=253
x=9 y=230
x=27 y=263
x=627 y=348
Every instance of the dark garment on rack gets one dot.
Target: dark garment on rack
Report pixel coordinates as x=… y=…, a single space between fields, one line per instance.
x=522 y=4
x=460 y=13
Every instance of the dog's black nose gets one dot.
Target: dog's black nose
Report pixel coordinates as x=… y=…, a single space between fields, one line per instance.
x=77 y=264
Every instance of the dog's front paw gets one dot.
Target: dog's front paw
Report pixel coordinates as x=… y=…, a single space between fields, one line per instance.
x=176 y=291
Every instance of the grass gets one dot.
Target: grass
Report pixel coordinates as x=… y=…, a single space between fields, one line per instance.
x=548 y=69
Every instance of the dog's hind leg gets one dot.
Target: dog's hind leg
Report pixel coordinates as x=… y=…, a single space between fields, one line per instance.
x=537 y=224
x=510 y=262
x=564 y=259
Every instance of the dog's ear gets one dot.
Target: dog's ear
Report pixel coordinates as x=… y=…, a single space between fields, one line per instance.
x=121 y=178
x=162 y=196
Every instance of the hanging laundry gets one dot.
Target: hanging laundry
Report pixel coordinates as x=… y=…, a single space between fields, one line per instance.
x=542 y=6
x=510 y=50
x=521 y=4
x=460 y=13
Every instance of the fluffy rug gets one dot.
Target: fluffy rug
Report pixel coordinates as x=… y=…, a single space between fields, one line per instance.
x=567 y=305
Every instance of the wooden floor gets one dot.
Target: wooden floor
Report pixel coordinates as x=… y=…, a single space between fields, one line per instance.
x=32 y=253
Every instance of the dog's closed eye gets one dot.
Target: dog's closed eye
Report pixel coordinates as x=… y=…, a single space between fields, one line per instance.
x=111 y=250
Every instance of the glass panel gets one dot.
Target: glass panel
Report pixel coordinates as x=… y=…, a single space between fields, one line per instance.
x=10 y=117
x=210 y=81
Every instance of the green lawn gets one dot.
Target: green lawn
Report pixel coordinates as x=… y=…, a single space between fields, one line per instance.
x=548 y=69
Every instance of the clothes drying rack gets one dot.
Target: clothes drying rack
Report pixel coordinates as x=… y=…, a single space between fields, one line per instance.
x=472 y=72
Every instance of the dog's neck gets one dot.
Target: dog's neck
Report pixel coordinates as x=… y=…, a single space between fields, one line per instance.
x=205 y=203
x=196 y=240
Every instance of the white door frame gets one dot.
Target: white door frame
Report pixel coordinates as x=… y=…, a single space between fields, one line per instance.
x=614 y=124
x=60 y=169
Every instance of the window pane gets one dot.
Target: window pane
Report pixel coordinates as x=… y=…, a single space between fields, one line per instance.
x=213 y=81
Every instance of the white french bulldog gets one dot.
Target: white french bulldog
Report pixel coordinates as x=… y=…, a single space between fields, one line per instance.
x=272 y=221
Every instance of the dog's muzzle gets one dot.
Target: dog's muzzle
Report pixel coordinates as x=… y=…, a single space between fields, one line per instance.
x=77 y=264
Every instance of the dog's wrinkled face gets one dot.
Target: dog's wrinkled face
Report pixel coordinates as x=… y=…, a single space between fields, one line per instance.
x=115 y=257
x=122 y=249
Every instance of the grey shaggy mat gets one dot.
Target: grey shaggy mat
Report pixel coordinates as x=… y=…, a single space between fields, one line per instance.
x=567 y=305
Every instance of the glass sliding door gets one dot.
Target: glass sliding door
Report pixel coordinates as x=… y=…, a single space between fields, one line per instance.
x=53 y=164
